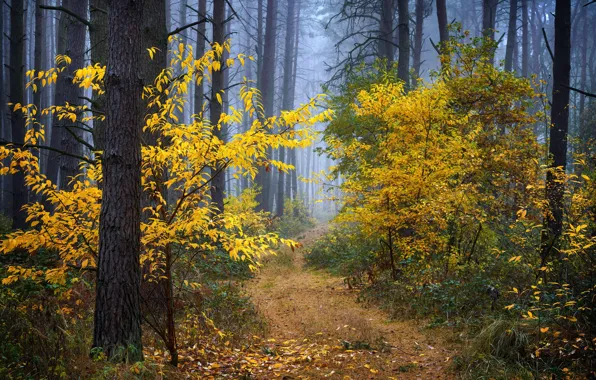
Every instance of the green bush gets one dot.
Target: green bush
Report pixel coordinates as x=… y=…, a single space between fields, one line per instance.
x=295 y=219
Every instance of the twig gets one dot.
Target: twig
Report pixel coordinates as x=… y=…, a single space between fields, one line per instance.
x=68 y=12
x=552 y=56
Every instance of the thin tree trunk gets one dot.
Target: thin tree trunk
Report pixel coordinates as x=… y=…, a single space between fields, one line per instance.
x=75 y=49
x=263 y=177
x=386 y=35
x=287 y=100
x=442 y=19
x=98 y=34
x=218 y=182
x=294 y=179
x=489 y=17
x=38 y=57
x=3 y=124
x=511 y=35
x=403 y=64
x=525 y=39
x=418 y=36
x=201 y=30
x=559 y=128
x=117 y=307
x=17 y=82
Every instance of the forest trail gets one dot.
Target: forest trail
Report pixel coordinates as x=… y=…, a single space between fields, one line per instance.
x=313 y=314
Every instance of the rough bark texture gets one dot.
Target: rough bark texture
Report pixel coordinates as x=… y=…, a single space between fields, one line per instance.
x=442 y=18
x=287 y=99
x=511 y=35
x=75 y=49
x=263 y=178
x=17 y=82
x=117 y=328
x=218 y=183
x=559 y=128
x=98 y=34
x=403 y=64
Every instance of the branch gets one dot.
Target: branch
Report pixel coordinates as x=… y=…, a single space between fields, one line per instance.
x=591 y=2
x=182 y=28
x=68 y=12
x=552 y=56
x=580 y=91
x=82 y=158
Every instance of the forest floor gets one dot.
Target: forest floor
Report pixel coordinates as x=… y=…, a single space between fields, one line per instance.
x=312 y=315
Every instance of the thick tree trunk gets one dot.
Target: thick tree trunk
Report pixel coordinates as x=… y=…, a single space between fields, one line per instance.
x=263 y=177
x=403 y=64
x=218 y=183
x=418 y=37
x=511 y=35
x=287 y=99
x=489 y=17
x=17 y=83
x=117 y=307
x=98 y=34
x=559 y=128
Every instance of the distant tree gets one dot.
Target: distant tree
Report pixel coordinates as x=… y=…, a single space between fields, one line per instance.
x=511 y=35
x=403 y=64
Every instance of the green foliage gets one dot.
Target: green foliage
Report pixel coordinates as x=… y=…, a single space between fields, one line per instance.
x=295 y=220
x=344 y=251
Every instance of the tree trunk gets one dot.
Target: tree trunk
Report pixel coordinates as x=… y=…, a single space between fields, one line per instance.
x=98 y=34
x=218 y=183
x=403 y=65
x=3 y=125
x=559 y=128
x=287 y=100
x=117 y=329
x=263 y=177
x=442 y=18
x=61 y=85
x=489 y=17
x=201 y=30
x=525 y=39
x=38 y=64
x=418 y=37
x=386 y=35
x=511 y=35
x=17 y=82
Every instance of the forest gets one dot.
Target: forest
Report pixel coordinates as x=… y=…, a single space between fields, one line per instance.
x=298 y=189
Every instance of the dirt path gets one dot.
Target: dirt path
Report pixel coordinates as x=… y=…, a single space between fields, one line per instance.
x=348 y=339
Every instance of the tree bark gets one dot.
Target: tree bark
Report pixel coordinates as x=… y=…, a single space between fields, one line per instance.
x=418 y=37
x=263 y=177
x=525 y=39
x=559 y=128
x=98 y=34
x=511 y=35
x=442 y=19
x=218 y=183
x=17 y=82
x=386 y=35
x=38 y=58
x=117 y=329
x=403 y=64
x=75 y=49
x=287 y=100
x=201 y=30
